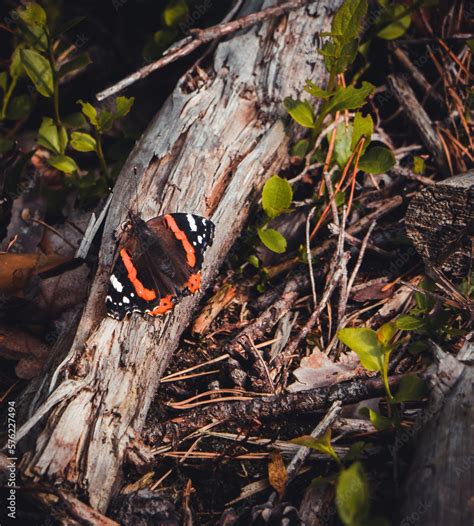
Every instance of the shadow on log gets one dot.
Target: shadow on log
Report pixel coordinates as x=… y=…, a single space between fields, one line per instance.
x=208 y=151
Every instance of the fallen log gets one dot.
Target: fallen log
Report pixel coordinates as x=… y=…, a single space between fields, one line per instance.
x=439 y=485
x=208 y=151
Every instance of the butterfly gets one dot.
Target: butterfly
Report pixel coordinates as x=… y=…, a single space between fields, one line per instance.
x=159 y=262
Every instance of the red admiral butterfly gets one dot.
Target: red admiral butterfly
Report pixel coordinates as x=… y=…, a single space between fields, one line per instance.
x=159 y=262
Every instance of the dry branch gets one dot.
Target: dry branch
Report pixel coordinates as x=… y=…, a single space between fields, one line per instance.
x=208 y=151
x=197 y=39
x=270 y=407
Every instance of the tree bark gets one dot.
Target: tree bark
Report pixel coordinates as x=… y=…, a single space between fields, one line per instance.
x=208 y=151
x=440 y=222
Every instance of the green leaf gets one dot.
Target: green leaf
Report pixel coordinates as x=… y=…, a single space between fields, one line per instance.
x=411 y=388
x=418 y=165
x=380 y=422
x=253 y=260
x=395 y=20
x=48 y=136
x=63 y=163
x=35 y=37
x=63 y=139
x=425 y=302
x=39 y=70
x=83 y=142
x=300 y=148
x=105 y=119
x=3 y=80
x=342 y=144
x=5 y=145
x=89 y=111
x=363 y=127
x=74 y=120
x=347 y=21
x=123 y=105
x=176 y=12
x=365 y=344
x=16 y=68
x=386 y=332
x=340 y=198
x=470 y=44
x=33 y=15
x=406 y=322
x=377 y=160
x=316 y=91
x=301 y=111
x=272 y=239
x=345 y=56
x=352 y=496
x=161 y=41
x=349 y=98
x=19 y=107
x=79 y=62
x=277 y=195
x=322 y=444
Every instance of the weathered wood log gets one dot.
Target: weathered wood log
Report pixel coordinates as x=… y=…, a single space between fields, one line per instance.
x=440 y=483
x=207 y=151
x=440 y=222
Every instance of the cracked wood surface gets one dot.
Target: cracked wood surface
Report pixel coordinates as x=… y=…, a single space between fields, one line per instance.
x=439 y=486
x=207 y=151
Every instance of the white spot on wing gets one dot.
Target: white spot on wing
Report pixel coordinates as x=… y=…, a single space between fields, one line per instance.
x=116 y=283
x=192 y=222
x=200 y=239
x=108 y=298
x=125 y=299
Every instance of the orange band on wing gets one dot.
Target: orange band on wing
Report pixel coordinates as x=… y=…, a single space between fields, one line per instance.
x=165 y=305
x=142 y=292
x=188 y=248
x=194 y=282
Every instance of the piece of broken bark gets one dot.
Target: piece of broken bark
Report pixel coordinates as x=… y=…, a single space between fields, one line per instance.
x=440 y=223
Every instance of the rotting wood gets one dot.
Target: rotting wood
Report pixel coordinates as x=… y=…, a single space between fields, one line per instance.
x=207 y=151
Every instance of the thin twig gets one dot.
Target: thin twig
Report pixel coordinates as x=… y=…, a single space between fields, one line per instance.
x=310 y=260
x=360 y=258
x=303 y=452
x=198 y=38
x=285 y=357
